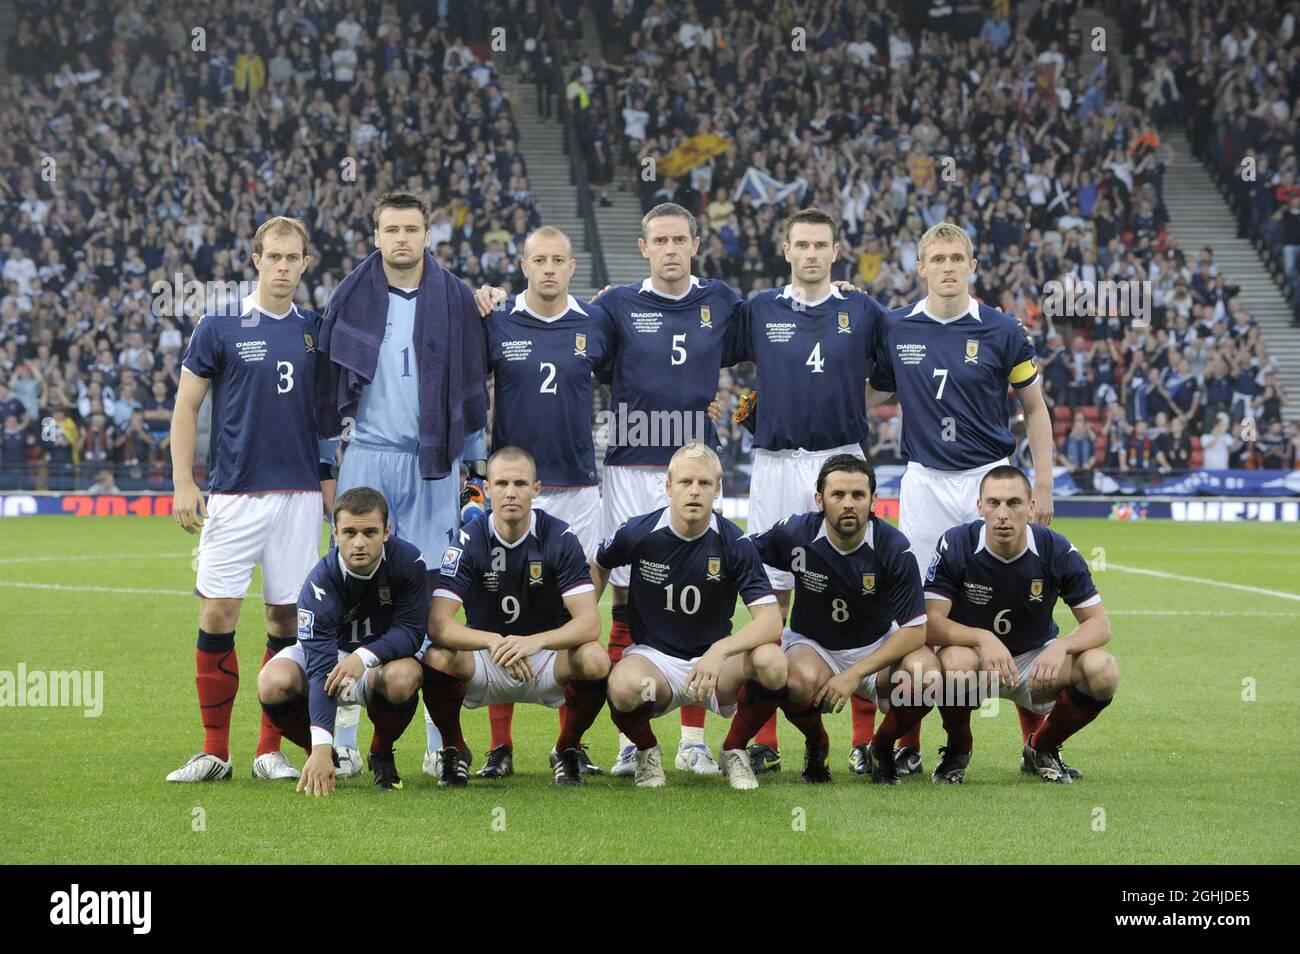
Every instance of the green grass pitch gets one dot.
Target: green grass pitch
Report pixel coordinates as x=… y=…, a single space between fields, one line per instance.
x=1185 y=766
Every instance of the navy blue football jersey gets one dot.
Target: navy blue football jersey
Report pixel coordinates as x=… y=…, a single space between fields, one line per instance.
x=541 y=370
x=665 y=371
x=951 y=379
x=385 y=613
x=262 y=371
x=1012 y=599
x=516 y=589
x=845 y=600
x=682 y=593
x=813 y=363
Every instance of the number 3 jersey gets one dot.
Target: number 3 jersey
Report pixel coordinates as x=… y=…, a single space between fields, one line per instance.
x=845 y=599
x=682 y=592
x=263 y=372
x=516 y=589
x=1013 y=599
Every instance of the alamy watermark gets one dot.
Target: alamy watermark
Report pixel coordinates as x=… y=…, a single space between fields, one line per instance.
x=36 y=689
x=194 y=298
x=625 y=427
x=1106 y=299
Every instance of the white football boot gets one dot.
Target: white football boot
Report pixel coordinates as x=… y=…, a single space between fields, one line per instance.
x=696 y=757
x=274 y=766
x=650 y=768
x=432 y=764
x=349 y=762
x=626 y=763
x=740 y=773
x=202 y=768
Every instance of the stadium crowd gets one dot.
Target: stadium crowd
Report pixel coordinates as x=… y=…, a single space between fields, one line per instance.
x=147 y=153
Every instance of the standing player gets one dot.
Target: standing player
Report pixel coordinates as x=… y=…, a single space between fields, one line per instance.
x=858 y=628
x=687 y=566
x=401 y=331
x=361 y=618
x=542 y=351
x=258 y=358
x=989 y=593
x=532 y=630
x=812 y=344
x=950 y=359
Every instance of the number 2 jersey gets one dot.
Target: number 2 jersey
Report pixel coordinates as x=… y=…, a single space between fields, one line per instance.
x=1013 y=599
x=262 y=370
x=682 y=592
x=845 y=600
x=384 y=614
x=516 y=589
x=951 y=378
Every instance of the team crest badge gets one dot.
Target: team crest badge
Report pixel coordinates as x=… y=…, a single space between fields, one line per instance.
x=706 y=317
x=1036 y=590
x=715 y=567
x=869 y=584
x=972 y=351
x=843 y=319
x=385 y=594
x=580 y=345
x=309 y=341
x=534 y=572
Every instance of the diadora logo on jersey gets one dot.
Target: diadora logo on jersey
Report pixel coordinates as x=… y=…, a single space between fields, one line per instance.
x=715 y=568
x=580 y=345
x=972 y=351
x=385 y=594
x=516 y=350
x=451 y=561
x=306 y=620
x=978 y=594
x=316 y=591
x=1036 y=591
x=646 y=322
x=251 y=350
x=534 y=572
x=910 y=353
x=869 y=584
x=706 y=317
x=843 y=319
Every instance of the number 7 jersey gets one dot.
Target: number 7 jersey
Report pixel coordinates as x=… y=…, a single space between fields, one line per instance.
x=951 y=378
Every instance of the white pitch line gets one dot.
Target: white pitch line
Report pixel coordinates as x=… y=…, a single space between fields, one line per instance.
x=1227 y=613
x=93 y=589
x=95 y=556
x=1199 y=579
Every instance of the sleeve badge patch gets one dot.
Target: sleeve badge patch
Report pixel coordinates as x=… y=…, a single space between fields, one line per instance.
x=451 y=561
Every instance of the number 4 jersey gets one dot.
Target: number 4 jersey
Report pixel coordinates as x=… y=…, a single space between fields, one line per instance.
x=262 y=370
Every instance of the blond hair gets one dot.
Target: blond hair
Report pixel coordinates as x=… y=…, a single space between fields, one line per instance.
x=944 y=232
x=279 y=225
x=696 y=451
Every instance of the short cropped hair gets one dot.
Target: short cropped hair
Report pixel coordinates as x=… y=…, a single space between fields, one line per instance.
x=812 y=217
x=849 y=464
x=361 y=500
x=401 y=200
x=279 y=225
x=944 y=232
x=1007 y=472
x=548 y=231
x=696 y=451
x=666 y=210
x=513 y=454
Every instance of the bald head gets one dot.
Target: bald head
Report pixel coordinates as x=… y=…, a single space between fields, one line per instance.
x=548 y=264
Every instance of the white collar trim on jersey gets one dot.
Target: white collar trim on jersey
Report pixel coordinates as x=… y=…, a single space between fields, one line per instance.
x=1031 y=547
x=570 y=305
x=647 y=286
x=532 y=530
x=249 y=303
x=869 y=540
x=666 y=520
x=357 y=576
x=788 y=292
x=972 y=309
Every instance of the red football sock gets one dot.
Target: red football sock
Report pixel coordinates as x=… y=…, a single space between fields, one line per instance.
x=390 y=719
x=582 y=701
x=268 y=737
x=501 y=716
x=864 y=721
x=909 y=739
x=217 y=680
x=1029 y=722
x=620 y=637
x=898 y=722
x=636 y=725
x=756 y=704
x=1074 y=709
x=693 y=717
x=956 y=722
x=808 y=720
x=443 y=695
x=767 y=734
x=291 y=719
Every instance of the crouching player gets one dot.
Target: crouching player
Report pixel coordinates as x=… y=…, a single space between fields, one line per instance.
x=989 y=592
x=361 y=618
x=532 y=632
x=687 y=566
x=858 y=627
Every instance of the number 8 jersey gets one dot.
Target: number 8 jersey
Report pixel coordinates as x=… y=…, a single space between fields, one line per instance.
x=263 y=371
